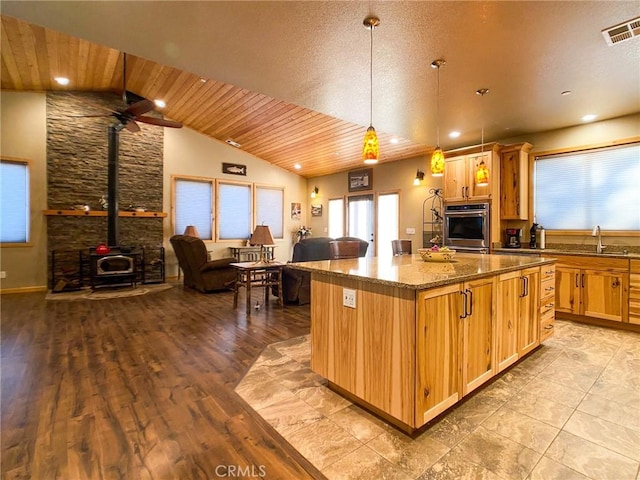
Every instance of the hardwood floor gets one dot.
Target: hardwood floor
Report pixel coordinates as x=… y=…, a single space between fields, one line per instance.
x=139 y=388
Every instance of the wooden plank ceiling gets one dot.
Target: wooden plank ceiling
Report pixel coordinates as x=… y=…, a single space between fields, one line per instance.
x=280 y=133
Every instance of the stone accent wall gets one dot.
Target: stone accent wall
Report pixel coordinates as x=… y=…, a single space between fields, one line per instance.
x=77 y=163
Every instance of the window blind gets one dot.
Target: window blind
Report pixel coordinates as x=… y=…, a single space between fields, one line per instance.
x=270 y=208
x=234 y=211
x=14 y=202
x=194 y=206
x=578 y=190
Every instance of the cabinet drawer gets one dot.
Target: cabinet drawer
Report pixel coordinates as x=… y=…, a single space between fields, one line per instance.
x=547 y=305
x=547 y=272
x=548 y=287
x=546 y=328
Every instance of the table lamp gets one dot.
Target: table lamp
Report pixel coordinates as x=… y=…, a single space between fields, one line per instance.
x=191 y=231
x=262 y=236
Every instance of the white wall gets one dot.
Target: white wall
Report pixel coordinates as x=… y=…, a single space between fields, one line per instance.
x=23 y=134
x=187 y=152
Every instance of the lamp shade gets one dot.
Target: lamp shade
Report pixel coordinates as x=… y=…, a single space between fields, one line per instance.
x=437 y=163
x=261 y=236
x=370 y=149
x=191 y=231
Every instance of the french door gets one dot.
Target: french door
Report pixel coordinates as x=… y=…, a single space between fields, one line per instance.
x=360 y=219
x=375 y=219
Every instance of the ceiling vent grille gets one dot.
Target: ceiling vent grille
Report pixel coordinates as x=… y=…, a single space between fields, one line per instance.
x=622 y=32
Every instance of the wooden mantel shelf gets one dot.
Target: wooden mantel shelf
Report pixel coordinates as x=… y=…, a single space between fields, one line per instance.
x=103 y=213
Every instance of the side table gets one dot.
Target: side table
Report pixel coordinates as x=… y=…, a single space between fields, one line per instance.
x=253 y=274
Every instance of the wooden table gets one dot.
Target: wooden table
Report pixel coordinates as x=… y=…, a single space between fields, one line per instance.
x=244 y=253
x=254 y=274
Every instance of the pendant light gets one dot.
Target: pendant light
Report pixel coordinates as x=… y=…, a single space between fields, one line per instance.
x=370 y=149
x=482 y=172
x=437 y=159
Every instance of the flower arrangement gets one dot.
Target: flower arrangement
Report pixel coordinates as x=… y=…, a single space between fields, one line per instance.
x=303 y=232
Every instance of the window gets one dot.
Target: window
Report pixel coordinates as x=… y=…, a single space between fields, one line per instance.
x=14 y=201
x=336 y=217
x=234 y=210
x=193 y=205
x=578 y=190
x=388 y=222
x=270 y=209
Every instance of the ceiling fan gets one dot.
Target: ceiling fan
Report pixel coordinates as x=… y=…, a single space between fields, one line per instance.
x=128 y=117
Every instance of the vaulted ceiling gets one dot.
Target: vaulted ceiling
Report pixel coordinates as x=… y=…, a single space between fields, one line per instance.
x=289 y=81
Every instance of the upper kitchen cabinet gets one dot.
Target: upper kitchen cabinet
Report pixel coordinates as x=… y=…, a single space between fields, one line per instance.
x=461 y=182
x=514 y=181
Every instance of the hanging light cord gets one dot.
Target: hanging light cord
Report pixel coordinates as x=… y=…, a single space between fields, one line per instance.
x=371 y=78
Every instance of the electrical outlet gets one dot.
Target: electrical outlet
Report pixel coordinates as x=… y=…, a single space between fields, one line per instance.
x=411 y=231
x=3 y=274
x=349 y=298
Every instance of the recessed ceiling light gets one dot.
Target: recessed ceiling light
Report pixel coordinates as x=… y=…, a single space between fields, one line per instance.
x=589 y=118
x=160 y=103
x=203 y=80
x=454 y=134
x=394 y=140
x=297 y=166
x=566 y=92
x=232 y=143
x=62 y=80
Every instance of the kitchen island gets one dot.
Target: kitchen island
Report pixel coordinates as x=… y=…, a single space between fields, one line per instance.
x=408 y=339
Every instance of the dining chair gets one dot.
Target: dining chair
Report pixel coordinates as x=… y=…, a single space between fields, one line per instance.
x=344 y=249
x=401 y=247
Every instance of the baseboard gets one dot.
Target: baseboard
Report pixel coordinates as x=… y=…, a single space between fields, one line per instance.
x=632 y=327
x=23 y=290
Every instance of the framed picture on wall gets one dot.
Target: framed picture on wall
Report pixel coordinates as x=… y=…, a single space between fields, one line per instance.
x=316 y=210
x=296 y=211
x=361 y=180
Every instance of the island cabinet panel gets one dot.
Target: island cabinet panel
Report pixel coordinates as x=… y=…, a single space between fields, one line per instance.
x=478 y=334
x=437 y=350
x=518 y=319
x=634 y=292
x=369 y=350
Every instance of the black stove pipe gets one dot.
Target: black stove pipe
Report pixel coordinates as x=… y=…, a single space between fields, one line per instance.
x=112 y=186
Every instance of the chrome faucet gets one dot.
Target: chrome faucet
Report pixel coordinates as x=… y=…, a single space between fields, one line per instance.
x=598 y=233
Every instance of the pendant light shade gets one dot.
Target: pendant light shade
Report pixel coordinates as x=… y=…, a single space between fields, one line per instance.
x=482 y=171
x=437 y=158
x=371 y=149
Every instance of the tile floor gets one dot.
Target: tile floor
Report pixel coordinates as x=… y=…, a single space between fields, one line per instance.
x=570 y=410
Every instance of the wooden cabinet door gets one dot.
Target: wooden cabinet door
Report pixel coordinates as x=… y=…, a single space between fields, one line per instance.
x=567 y=289
x=455 y=179
x=529 y=321
x=509 y=289
x=437 y=348
x=514 y=176
x=478 y=334
x=475 y=192
x=604 y=294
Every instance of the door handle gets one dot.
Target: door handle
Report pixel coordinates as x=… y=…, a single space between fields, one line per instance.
x=464 y=305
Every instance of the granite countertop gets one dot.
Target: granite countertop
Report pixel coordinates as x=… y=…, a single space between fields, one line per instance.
x=566 y=251
x=410 y=271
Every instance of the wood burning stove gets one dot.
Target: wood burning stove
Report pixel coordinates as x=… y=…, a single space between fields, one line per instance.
x=114 y=268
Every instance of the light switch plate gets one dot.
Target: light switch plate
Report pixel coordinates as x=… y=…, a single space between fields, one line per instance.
x=349 y=298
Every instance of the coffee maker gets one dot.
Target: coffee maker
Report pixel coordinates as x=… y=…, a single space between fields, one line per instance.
x=513 y=238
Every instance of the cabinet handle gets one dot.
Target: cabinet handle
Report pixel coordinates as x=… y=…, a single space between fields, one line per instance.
x=462 y=192
x=524 y=287
x=582 y=280
x=549 y=289
x=470 y=312
x=464 y=306
x=548 y=327
x=517 y=209
x=577 y=284
x=467 y=192
x=549 y=305
x=550 y=272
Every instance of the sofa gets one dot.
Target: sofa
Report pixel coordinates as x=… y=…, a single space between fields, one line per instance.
x=296 y=284
x=199 y=272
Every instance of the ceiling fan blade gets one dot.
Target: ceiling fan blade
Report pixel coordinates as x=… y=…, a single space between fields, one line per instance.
x=139 y=108
x=132 y=126
x=159 y=121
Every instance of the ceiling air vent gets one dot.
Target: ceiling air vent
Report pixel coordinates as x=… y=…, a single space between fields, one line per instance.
x=622 y=32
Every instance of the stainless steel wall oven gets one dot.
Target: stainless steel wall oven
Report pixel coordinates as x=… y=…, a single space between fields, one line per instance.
x=466 y=227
